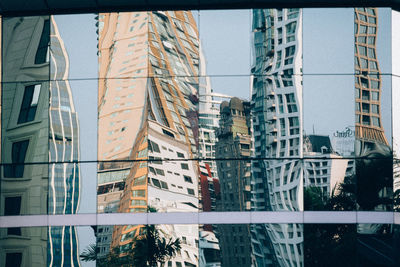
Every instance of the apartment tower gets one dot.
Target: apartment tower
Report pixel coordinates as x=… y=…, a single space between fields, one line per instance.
x=234 y=141
x=148 y=106
x=277 y=128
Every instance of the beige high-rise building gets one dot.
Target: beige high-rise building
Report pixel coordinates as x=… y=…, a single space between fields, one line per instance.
x=148 y=110
x=368 y=78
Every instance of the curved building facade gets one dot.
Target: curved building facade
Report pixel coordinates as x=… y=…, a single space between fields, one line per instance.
x=277 y=127
x=64 y=178
x=148 y=110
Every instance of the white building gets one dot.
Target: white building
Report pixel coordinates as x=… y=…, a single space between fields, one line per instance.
x=329 y=171
x=277 y=126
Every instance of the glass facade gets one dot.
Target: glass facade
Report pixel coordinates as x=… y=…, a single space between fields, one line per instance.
x=264 y=137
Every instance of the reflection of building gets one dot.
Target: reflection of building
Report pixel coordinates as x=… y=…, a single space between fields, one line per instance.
x=24 y=189
x=64 y=179
x=373 y=186
x=208 y=119
x=396 y=183
x=329 y=171
x=374 y=171
x=150 y=116
x=210 y=189
x=277 y=128
x=234 y=141
x=38 y=127
x=368 y=79
x=209 y=186
x=209 y=252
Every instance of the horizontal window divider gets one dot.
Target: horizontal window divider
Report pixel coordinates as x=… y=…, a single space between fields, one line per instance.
x=229 y=217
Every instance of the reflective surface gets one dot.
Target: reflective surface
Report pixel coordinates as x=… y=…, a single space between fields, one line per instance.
x=41 y=246
x=147 y=245
x=330 y=244
x=197 y=115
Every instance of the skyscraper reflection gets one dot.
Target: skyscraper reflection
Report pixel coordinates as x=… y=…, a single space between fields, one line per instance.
x=153 y=56
x=277 y=122
x=39 y=124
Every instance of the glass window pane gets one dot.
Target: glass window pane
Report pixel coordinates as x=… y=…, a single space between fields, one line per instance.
x=374 y=129
x=29 y=247
x=24 y=113
x=330 y=244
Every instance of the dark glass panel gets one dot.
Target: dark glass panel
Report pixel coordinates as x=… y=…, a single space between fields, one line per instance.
x=42 y=50
x=12 y=206
x=29 y=103
x=13 y=259
x=330 y=245
x=375 y=245
x=234 y=244
x=18 y=153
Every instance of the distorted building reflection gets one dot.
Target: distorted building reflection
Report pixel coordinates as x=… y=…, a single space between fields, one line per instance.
x=39 y=125
x=148 y=111
x=374 y=163
x=234 y=141
x=24 y=189
x=371 y=141
x=327 y=173
x=277 y=129
x=64 y=179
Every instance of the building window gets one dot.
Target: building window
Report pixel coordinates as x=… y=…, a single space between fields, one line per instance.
x=12 y=207
x=190 y=191
x=291 y=103
x=287 y=77
x=29 y=103
x=366 y=120
x=376 y=121
x=375 y=109
x=188 y=179
x=289 y=51
x=278 y=59
x=290 y=31
x=13 y=259
x=164 y=185
x=185 y=166
x=277 y=82
x=153 y=147
x=160 y=172
x=16 y=169
x=42 y=53
x=140 y=180
x=294 y=125
x=282 y=123
x=139 y=193
x=156 y=182
x=280 y=102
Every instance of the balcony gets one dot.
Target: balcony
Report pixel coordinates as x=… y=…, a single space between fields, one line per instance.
x=271 y=128
x=270 y=93
x=271 y=139
x=271 y=116
x=271 y=104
